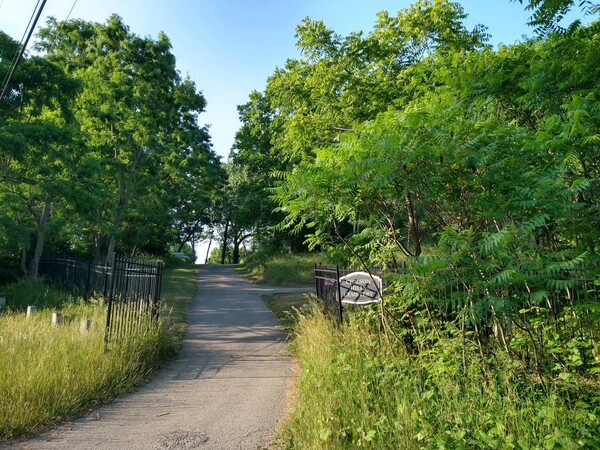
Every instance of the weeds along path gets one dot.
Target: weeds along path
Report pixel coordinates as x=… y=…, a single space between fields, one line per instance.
x=226 y=390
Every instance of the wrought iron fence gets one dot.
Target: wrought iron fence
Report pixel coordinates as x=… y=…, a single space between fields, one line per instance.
x=327 y=285
x=328 y=290
x=130 y=288
x=82 y=278
x=571 y=288
x=133 y=298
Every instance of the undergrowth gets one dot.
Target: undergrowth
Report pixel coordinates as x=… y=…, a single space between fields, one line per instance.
x=361 y=388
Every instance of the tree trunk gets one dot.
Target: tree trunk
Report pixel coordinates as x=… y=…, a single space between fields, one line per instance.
x=110 y=254
x=24 y=261
x=236 y=251
x=413 y=226
x=41 y=237
x=224 y=250
x=237 y=243
x=189 y=236
x=208 y=249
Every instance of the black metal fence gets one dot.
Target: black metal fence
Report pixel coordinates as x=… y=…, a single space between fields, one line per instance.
x=130 y=288
x=571 y=288
x=327 y=286
x=328 y=290
x=82 y=278
x=133 y=298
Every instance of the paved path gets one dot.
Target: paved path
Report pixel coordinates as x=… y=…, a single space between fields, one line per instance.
x=226 y=390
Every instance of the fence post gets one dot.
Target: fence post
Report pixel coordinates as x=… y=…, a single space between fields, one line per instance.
x=110 y=299
x=105 y=284
x=338 y=292
x=88 y=277
x=316 y=281
x=156 y=299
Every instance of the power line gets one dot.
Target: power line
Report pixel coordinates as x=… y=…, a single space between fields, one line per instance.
x=19 y=54
x=72 y=7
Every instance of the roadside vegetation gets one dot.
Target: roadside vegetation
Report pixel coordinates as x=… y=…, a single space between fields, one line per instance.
x=281 y=270
x=468 y=174
x=363 y=388
x=51 y=373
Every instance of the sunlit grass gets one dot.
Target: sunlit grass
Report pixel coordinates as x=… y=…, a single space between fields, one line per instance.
x=282 y=270
x=359 y=388
x=288 y=307
x=50 y=372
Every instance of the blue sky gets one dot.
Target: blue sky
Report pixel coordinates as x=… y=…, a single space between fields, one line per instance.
x=230 y=47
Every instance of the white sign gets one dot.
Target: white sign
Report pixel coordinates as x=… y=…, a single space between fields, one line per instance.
x=360 y=288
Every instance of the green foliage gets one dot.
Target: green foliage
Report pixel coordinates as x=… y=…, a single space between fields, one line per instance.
x=347 y=80
x=548 y=14
x=252 y=165
x=472 y=173
x=102 y=149
x=26 y=293
x=361 y=389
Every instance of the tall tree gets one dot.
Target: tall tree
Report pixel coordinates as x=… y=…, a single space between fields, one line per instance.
x=40 y=157
x=253 y=167
x=346 y=80
x=139 y=119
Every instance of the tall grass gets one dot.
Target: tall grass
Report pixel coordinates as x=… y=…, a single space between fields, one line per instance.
x=281 y=270
x=360 y=388
x=48 y=373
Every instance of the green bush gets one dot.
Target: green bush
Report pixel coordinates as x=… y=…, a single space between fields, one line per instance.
x=29 y=292
x=361 y=388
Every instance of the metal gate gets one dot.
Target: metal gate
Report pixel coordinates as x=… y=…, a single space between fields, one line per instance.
x=133 y=298
x=130 y=288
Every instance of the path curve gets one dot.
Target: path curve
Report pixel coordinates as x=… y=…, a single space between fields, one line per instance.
x=226 y=390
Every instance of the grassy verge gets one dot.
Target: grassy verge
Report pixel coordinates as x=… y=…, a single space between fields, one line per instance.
x=281 y=270
x=49 y=373
x=178 y=289
x=361 y=389
x=287 y=308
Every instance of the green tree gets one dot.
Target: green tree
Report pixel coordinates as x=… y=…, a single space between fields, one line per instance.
x=139 y=119
x=548 y=14
x=490 y=168
x=253 y=165
x=346 y=80
x=39 y=153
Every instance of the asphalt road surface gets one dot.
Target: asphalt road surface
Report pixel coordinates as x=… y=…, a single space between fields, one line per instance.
x=226 y=390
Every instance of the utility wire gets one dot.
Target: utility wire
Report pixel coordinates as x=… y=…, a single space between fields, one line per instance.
x=72 y=7
x=16 y=57
x=19 y=54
